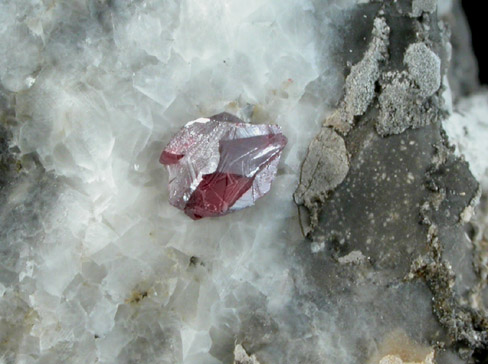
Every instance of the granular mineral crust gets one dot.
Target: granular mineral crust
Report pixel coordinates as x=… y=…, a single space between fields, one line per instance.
x=424 y=66
x=423 y=6
x=361 y=82
x=325 y=167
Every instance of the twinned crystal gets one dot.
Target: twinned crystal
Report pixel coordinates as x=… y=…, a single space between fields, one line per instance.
x=221 y=164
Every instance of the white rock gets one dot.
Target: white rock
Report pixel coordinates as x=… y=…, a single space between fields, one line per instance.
x=467 y=129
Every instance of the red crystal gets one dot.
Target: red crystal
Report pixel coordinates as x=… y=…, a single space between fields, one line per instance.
x=216 y=193
x=221 y=164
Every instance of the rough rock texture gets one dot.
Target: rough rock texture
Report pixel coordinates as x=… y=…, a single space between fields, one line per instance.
x=386 y=154
x=398 y=84
x=360 y=84
x=328 y=160
x=424 y=67
x=423 y=6
x=406 y=197
x=241 y=357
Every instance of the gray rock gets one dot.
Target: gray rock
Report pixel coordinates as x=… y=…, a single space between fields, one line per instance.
x=406 y=198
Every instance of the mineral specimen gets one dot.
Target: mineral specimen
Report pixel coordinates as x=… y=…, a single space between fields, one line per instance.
x=97 y=267
x=221 y=164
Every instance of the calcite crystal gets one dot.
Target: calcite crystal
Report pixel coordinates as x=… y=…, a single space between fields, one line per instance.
x=221 y=164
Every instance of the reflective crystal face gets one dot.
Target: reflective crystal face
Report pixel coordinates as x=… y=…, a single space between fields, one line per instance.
x=221 y=164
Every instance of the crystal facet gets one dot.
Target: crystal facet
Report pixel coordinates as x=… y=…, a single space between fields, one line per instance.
x=221 y=164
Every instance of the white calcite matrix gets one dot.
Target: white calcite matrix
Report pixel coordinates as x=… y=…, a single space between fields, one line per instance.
x=100 y=88
x=96 y=266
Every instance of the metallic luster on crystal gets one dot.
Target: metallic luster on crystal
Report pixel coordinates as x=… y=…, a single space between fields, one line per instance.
x=221 y=164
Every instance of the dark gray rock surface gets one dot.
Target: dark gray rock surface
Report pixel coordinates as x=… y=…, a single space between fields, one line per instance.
x=406 y=199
